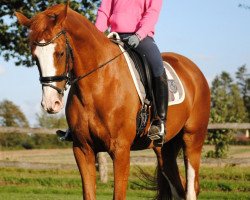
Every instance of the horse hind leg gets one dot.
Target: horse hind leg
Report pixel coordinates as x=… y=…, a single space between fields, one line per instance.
x=193 y=142
x=170 y=171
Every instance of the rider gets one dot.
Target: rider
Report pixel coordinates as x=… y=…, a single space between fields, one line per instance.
x=134 y=21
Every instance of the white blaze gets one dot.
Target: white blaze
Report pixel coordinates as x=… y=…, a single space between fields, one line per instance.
x=191 y=195
x=45 y=57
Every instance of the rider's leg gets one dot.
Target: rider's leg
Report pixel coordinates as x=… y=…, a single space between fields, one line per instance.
x=157 y=129
x=64 y=136
x=160 y=86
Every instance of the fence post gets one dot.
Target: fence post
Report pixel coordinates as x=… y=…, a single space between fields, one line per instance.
x=247 y=133
x=102 y=167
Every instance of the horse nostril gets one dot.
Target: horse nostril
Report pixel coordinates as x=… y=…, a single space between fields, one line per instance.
x=57 y=105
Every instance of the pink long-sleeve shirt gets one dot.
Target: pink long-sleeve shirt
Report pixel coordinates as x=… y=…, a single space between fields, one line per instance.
x=129 y=16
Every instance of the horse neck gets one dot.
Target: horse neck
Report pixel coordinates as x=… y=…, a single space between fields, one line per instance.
x=87 y=44
x=91 y=49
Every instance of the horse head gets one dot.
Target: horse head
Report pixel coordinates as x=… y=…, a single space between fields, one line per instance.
x=51 y=51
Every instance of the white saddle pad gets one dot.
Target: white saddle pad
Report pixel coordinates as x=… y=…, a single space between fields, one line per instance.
x=176 y=90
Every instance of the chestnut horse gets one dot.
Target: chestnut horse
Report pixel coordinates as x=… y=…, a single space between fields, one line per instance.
x=103 y=103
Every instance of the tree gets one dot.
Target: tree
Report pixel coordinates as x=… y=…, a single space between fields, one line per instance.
x=245 y=6
x=227 y=102
x=46 y=120
x=227 y=106
x=237 y=110
x=14 y=40
x=243 y=81
x=11 y=115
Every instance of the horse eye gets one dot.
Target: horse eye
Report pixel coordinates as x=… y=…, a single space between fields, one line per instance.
x=60 y=54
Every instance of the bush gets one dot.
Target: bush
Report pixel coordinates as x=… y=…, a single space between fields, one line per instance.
x=220 y=139
x=31 y=141
x=240 y=142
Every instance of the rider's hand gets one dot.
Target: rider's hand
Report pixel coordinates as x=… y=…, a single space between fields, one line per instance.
x=133 y=40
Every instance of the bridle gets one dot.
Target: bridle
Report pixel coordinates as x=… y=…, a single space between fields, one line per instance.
x=47 y=80
x=66 y=76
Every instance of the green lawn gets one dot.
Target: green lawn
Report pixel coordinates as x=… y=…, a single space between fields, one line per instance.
x=17 y=184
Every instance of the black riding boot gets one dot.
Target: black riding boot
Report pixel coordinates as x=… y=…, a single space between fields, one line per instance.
x=158 y=129
x=64 y=136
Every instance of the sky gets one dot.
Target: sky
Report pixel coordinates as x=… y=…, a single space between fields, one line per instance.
x=214 y=34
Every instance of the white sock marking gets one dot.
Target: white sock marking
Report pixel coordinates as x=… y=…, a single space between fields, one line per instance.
x=191 y=195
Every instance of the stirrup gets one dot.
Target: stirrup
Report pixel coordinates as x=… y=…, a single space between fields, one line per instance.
x=157 y=133
x=64 y=136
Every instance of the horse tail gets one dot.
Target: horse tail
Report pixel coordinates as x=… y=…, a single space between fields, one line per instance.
x=170 y=182
x=156 y=182
x=163 y=186
x=166 y=180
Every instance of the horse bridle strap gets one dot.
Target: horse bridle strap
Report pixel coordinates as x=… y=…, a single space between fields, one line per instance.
x=47 y=80
x=52 y=40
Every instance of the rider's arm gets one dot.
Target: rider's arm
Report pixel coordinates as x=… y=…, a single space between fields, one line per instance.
x=150 y=18
x=103 y=15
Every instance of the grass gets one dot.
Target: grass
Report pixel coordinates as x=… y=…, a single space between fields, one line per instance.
x=50 y=182
x=216 y=183
x=53 y=184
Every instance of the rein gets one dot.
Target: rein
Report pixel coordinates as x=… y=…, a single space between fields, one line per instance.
x=95 y=69
x=66 y=76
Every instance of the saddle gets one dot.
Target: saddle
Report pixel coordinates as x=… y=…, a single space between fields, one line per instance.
x=145 y=75
x=142 y=77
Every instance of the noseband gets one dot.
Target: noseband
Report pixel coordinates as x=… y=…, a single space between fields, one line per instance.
x=47 y=80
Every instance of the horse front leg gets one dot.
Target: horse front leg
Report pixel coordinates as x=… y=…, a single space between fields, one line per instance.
x=85 y=159
x=121 y=158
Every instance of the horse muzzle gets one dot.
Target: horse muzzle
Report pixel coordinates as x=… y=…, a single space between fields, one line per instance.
x=52 y=102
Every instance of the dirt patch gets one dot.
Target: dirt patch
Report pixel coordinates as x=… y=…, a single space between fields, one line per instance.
x=64 y=159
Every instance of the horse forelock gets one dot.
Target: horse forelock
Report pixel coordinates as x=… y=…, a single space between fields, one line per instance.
x=44 y=24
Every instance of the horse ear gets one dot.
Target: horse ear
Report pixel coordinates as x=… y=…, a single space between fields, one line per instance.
x=67 y=7
x=62 y=16
x=22 y=19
